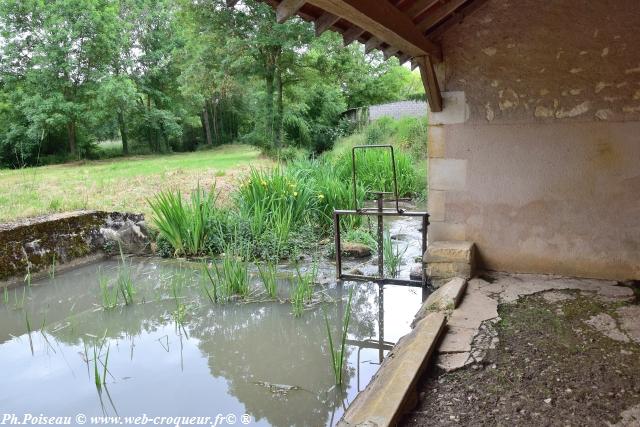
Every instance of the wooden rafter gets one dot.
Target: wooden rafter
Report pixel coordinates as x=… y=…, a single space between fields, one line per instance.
x=403 y=58
x=325 y=21
x=371 y=44
x=351 y=35
x=389 y=52
x=456 y=18
x=430 y=82
x=385 y=22
x=419 y=6
x=439 y=14
x=287 y=8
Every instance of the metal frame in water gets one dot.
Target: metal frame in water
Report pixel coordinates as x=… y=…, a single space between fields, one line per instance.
x=380 y=212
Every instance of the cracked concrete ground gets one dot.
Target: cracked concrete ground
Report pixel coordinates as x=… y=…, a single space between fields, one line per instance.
x=470 y=334
x=524 y=347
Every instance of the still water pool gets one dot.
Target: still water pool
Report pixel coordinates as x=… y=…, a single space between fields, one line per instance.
x=237 y=358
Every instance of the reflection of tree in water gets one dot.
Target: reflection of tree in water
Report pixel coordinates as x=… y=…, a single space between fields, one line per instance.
x=130 y=321
x=256 y=345
x=250 y=345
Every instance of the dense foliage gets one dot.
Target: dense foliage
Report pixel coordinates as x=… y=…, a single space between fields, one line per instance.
x=167 y=75
x=280 y=212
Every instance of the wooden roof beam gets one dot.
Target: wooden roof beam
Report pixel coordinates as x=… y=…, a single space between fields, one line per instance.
x=324 y=22
x=438 y=15
x=385 y=22
x=287 y=8
x=430 y=82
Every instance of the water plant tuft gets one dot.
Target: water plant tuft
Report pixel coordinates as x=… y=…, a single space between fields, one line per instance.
x=209 y=286
x=269 y=276
x=338 y=353
x=177 y=286
x=124 y=280
x=392 y=255
x=232 y=272
x=302 y=289
x=108 y=294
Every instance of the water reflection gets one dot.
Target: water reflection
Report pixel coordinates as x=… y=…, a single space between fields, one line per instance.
x=234 y=358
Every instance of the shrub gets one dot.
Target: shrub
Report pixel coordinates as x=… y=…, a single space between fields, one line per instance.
x=411 y=136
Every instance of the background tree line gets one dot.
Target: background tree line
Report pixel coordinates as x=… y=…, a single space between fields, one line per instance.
x=164 y=75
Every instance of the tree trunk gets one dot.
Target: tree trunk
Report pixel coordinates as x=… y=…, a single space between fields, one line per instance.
x=71 y=134
x=269 y=80
x=149 y=130
x=279 y=110
x=214 y=114
x=207 y=128
x=123 y=133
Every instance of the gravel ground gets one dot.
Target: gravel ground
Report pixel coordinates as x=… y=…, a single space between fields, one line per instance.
x=550 y=368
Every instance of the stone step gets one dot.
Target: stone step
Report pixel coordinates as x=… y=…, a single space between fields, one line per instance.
x=450 y=251
x=446 y=270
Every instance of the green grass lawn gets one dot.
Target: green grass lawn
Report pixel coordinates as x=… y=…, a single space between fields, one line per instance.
x=121 y=184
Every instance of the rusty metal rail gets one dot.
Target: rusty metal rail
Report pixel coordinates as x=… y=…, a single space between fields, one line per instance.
x=380 y=212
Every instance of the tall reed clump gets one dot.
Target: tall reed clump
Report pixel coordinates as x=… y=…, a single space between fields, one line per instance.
x=375 y=171
x=302 y=289
x=338 y=353
x=392 y=255
x=269 y=277
x=275 y=203
x=184 y=223
x=331 y=192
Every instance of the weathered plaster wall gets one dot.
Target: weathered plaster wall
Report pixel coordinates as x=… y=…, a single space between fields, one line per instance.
x=543 y=173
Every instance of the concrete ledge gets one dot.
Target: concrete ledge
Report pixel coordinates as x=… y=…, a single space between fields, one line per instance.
x=392 y=391
x=444 y=299
x=33 y=244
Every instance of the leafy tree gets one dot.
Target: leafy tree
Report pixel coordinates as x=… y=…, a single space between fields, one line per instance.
x=170 y=75
x=56 y=50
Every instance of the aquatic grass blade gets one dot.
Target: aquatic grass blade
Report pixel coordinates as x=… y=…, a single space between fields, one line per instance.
x=338 y=355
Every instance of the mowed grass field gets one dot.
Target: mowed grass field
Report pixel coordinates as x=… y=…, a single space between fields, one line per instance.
x=121 y=184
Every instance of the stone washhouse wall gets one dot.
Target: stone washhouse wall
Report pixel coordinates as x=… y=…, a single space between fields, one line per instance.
x=536 y=156
x=32 y=245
